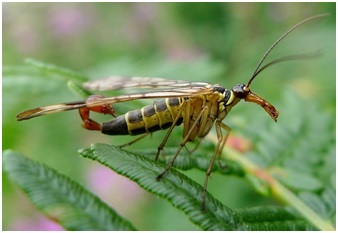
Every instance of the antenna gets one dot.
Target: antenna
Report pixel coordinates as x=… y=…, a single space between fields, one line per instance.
x=302 y=56
x=288 y=58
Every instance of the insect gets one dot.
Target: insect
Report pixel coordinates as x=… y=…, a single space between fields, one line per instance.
x=198 y=106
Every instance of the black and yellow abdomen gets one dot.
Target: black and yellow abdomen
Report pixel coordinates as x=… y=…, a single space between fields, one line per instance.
x=160 y=115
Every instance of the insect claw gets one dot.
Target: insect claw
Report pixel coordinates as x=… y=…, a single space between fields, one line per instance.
x=103 y=108
x=113 y=113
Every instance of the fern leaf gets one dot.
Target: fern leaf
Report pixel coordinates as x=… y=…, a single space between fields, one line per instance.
x=63 y=72
x=185 y=194
x=60 y=198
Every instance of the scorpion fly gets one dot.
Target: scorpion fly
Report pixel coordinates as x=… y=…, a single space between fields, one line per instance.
x=195 y=105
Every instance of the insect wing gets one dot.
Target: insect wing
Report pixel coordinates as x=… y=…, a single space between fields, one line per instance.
x=35 y=112
x=168 y=93
x=121 y=82
x=189 y=91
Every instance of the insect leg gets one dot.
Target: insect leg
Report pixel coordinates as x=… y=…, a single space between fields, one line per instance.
x=184 y=141
x=225 y=138
x=165 y=139
x=133 y=141
x=218 y=151
x=196 y=146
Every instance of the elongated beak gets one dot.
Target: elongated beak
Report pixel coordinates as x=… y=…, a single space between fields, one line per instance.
x=269 y=108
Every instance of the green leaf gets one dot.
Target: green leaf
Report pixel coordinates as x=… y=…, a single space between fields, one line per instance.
x=300 y=180
x=316 y=203
x=63 y=72
x=183 y=193
x=261 y=186
x=60 y=198
x=78 y=89
x=272 y=218
x=198 y=159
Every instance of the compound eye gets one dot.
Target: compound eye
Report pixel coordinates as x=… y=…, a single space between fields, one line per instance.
x=240 y=90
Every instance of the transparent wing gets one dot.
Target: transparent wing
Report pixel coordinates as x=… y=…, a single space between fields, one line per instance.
x=123 y=82
x=193 y=89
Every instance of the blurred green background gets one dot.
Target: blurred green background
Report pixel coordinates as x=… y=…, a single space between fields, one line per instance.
x=213 y=42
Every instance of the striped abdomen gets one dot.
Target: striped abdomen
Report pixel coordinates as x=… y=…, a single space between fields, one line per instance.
x=150 y=118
